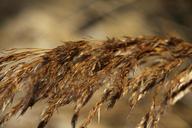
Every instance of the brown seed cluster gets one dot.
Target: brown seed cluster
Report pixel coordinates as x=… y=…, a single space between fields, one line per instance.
x=74 y=71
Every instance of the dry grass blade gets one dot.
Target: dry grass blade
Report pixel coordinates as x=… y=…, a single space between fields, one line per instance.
x=74 y=71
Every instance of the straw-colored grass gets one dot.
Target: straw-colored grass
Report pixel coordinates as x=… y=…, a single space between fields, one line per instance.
x=74 y=71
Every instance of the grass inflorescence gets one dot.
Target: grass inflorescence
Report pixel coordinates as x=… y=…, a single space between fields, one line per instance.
x=74 y=71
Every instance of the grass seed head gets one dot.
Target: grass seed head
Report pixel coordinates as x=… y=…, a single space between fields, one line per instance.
x=74 y=71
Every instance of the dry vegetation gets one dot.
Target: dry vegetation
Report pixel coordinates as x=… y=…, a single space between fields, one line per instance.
x=73 y=72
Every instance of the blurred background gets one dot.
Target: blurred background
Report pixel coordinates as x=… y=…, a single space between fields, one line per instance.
x=46 y=23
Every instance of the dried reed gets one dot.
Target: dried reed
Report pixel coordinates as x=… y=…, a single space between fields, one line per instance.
x=74 y=71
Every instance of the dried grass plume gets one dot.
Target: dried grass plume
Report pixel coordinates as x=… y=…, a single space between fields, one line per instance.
x=74 y=71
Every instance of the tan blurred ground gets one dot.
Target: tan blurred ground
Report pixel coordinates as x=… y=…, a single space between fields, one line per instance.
x=46 y=23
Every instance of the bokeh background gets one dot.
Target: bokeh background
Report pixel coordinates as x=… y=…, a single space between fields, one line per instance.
x=47 y=23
